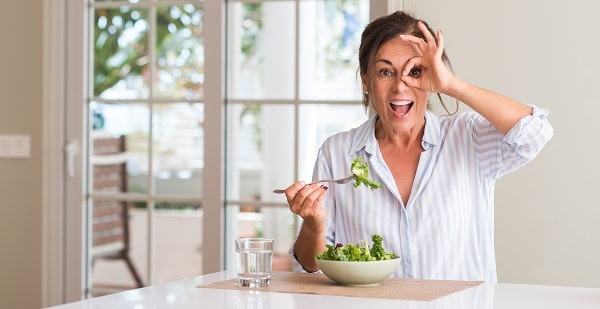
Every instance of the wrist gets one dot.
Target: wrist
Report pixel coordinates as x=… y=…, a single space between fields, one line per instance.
x=457 y=88
x=312 y=230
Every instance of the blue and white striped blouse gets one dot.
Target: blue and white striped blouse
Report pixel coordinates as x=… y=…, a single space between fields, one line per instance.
x=447 y=229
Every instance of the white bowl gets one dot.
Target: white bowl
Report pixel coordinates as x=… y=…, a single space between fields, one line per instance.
x=358 y=273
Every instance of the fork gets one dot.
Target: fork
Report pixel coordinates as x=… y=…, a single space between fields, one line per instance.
x=341 y=180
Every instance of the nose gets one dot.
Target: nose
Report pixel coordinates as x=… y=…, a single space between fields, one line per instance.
x=399 y=84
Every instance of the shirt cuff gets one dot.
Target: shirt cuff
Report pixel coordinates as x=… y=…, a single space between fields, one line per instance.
x=534 y=122
x=296 y=266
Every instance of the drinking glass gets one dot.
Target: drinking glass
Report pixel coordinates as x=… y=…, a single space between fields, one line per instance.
x=254 y=261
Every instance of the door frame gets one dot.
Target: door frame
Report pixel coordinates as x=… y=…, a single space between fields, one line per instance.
x=63 y=233
x=64 y=81
x=53 y=288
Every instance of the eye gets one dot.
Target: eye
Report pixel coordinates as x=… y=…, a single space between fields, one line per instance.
x=386 y=73
x=415 y=72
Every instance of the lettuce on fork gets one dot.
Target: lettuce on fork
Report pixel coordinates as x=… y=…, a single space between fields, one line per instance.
x=360 y=170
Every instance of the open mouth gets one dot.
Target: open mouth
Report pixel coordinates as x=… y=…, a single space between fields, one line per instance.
x=401 y=107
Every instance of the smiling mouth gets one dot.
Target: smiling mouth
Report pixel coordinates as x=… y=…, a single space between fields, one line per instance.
x=401 y=107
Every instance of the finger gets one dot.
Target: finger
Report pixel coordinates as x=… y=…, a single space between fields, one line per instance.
x=291 y=191
x=428 y=37
x=322 y=195
x=431 y=40
x=440 y=43
x=419 y=80
x=312 y=203
x=294 y=196
x=411 y=63
x=419 y=42
x=303 y=198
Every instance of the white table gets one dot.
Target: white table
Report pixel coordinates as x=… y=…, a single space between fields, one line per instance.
x=185 y=294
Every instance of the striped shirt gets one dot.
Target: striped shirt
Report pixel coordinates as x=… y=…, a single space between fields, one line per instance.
x=446 y=231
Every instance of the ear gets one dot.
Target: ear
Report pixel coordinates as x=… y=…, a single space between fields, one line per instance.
x=363 y=80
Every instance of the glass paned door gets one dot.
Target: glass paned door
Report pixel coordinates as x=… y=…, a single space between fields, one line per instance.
x=291 y=82
x=146 y=137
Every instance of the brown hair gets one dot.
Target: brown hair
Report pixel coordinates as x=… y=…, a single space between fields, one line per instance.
x=383 y=29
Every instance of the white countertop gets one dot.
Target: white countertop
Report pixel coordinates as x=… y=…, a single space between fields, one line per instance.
x=185 y=294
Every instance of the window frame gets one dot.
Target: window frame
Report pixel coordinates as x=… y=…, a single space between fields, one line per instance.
x=65 y=75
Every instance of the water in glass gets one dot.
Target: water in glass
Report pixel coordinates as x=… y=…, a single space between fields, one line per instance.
x=254 y=262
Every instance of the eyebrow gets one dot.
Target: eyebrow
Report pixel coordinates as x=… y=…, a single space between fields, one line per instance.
x=390 y=63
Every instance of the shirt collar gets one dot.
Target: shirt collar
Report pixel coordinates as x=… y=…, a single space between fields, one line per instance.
x=432 y=135
x=364 y=137
x=365 y=134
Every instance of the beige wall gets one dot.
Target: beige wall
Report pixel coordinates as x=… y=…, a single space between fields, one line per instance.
x=547 y=213
x=21 y=179
x=545 y=53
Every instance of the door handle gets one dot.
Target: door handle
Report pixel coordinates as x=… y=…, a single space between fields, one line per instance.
x=71 y=150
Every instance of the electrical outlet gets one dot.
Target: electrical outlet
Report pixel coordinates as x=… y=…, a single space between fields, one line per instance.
x=15 y=146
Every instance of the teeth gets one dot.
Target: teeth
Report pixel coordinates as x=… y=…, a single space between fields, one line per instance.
x=399 y=103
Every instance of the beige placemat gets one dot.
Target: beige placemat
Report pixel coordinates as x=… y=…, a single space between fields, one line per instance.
x=394 y=288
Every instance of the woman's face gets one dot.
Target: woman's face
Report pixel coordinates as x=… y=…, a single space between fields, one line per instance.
x=400 y=108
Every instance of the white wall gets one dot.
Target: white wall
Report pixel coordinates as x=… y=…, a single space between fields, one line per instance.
x=545 y=53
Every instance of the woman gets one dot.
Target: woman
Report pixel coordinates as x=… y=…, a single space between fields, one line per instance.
x=436 y=206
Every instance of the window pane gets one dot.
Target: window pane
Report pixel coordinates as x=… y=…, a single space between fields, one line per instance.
x=180 y=52
x=260 y=150
x=178 y=149
x=111 y=122
x=120 y=53
x=113 y=230
x=177 y=242
x=318 y=124
x=261 y=45
x=329 y=40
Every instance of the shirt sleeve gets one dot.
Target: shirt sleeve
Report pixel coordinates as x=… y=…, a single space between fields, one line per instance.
x=525 y=140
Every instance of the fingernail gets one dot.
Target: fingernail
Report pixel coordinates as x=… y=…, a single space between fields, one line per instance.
x=324 y=187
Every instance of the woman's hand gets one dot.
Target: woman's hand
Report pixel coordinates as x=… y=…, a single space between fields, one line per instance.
x=306 y=201
x=428 y=72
